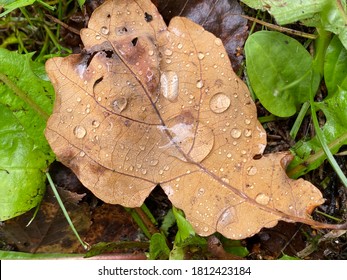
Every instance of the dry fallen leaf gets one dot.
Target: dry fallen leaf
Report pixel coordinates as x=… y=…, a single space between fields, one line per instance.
x=147 y=104
x=220 y=17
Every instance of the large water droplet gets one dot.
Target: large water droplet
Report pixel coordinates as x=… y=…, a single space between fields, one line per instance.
x=219 y=102
x=169 y=85
x=119 y=104
x=179 y=46
x=262 y=198
x=235 y=133
x=79 y=131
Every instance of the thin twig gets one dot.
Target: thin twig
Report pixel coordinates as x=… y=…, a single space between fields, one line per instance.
x=73 y=30
x=281 y=29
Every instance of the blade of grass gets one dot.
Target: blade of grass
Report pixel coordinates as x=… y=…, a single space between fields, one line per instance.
x=47 y=6
x=294 y=131
x=61 y=204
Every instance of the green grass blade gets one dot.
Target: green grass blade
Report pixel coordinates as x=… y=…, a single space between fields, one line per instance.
x=61 y=204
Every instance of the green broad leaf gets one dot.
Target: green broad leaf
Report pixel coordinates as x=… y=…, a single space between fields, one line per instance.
x=280 y=71
x=309 y=154
x=288 y=11
x=25 y=103
x=168 y=221
x=185 y=237
x=334 y=19
x=335 y=66
x=158 y=249
x=185 y=229
x=234 y=247
x=10 y=5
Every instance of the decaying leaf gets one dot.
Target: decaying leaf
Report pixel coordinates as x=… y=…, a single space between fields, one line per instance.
x=147 y=104
x=49 y=232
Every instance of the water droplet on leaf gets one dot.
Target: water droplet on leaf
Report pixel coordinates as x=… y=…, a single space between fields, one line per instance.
x=119 y=104
x=262 y=198
x=219 y=103
x=169 y=85
x=201 y=55
x=252 y=170
x=168 y=52
x=95 y=123
x=199 y=84
x=235 y=133
x=218 y=42
x=79 y=131
x=104 y=30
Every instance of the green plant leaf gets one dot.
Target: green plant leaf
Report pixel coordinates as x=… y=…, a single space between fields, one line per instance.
x=10 y=5
x=81 y=2
x=185 y=237
x=158 y=249
x=234 y=247
x=185 y=229
x=25 y=102
x=329 y=14
x=279 y=69
x=288 y=11
x=168 y=221
x=334 y=19
x=335 y=66
x=309 y=154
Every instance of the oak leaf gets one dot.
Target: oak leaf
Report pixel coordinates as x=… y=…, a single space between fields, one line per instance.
x=146 y=104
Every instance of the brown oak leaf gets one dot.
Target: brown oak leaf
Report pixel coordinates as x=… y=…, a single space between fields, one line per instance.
x=146 y=104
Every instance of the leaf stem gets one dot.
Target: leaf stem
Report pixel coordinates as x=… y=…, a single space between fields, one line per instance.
x=22 y=95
